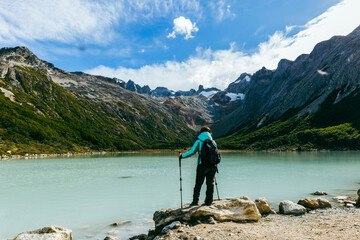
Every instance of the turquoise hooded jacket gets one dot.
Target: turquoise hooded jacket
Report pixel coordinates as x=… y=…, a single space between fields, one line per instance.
x=197 y=146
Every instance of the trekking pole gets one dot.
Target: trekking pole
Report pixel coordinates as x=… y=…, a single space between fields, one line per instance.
x=180 y=182
x=217 y=190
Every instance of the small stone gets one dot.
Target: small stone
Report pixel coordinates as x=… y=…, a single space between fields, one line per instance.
x=173 y=225
x=139 y=237
x=349 y=205
x=113 y=232
x=120 y=223
x=212 y=220
x=245 y=198
x=111 y=238
x=197 y=238
x=340 y=199
x=181 y=231
x=272 y=211
x=349 y=201
x=165 y=230
x=356 y=224
x=318 y=193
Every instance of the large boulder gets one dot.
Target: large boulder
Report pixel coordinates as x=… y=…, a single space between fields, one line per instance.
x=314 y=203
x=46 y=233
x=288 y=207
x=234 y=209
x=263 y=205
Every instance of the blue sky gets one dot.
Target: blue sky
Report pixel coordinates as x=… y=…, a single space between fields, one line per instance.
x=174 y=43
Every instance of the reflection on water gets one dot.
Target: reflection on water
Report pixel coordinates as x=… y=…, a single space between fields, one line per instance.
x=88 y=194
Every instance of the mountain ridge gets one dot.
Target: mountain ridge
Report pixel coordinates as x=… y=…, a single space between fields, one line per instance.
x=292 y=106
x=301 y=91
x=39 y=115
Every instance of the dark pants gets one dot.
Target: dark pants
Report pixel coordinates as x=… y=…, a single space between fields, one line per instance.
x=203 y=172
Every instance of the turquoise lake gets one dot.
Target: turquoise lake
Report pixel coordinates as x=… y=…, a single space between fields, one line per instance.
x=87 y=194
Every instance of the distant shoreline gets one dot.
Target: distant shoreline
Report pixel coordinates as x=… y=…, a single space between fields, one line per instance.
x=70 y=154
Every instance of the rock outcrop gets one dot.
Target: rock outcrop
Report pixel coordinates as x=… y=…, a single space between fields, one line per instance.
x=314 y=203
x=46 y=233
x=288 y=207
x=234 y=209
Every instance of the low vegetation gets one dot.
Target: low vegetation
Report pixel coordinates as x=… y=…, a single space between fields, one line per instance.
x=335 y=126
x=45 y=118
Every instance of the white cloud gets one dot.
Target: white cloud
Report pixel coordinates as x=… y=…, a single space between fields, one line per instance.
x=85 y=21
x=183 y=26
x=66 y=21
x=221 y=10
x=219 y=68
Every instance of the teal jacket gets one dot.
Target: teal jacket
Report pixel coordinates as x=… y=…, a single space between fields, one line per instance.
x=197 y=146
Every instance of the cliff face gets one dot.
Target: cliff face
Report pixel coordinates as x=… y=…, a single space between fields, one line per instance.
x=299 y=86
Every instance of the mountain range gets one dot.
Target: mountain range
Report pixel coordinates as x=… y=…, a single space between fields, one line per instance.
x=309 y=103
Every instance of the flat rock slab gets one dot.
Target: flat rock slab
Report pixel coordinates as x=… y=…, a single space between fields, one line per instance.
x=46 y=233
x=234 y=209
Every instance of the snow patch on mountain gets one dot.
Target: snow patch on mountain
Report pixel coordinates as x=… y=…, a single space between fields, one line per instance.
x=246 y=78
x=235 y=96
x=208 y=94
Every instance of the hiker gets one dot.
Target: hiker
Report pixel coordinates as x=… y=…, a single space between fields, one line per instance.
x=206 y=168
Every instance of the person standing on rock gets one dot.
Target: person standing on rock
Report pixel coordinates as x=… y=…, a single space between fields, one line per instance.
x=206 y=164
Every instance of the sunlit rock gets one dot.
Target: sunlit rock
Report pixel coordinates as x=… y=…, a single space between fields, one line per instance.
x=46 y=233
x=235 y=209
x=263 y=205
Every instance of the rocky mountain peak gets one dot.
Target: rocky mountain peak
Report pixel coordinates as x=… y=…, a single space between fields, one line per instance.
x=241 y=85
x=22 y=56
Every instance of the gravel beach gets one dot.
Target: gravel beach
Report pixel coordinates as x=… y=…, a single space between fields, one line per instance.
x=335 y=223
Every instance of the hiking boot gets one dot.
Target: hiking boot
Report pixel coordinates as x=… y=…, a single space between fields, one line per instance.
x=194 y=204
x=207 y=204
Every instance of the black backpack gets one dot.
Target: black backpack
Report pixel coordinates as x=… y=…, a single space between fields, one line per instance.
x=209 y=153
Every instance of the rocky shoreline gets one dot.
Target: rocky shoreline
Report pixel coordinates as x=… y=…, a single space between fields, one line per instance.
x=242 y=218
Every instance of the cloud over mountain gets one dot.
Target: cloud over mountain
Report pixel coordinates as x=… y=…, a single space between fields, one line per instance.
x=219 y=67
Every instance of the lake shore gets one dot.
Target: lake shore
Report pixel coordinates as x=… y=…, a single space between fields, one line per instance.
x=80 y=154
x=334 y=223
x=10 y=156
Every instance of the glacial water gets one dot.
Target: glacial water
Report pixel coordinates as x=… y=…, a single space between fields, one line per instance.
x=88 y=194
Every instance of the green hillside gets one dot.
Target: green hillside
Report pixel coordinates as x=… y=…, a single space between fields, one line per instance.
x=43 y=117
x=334 y=126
